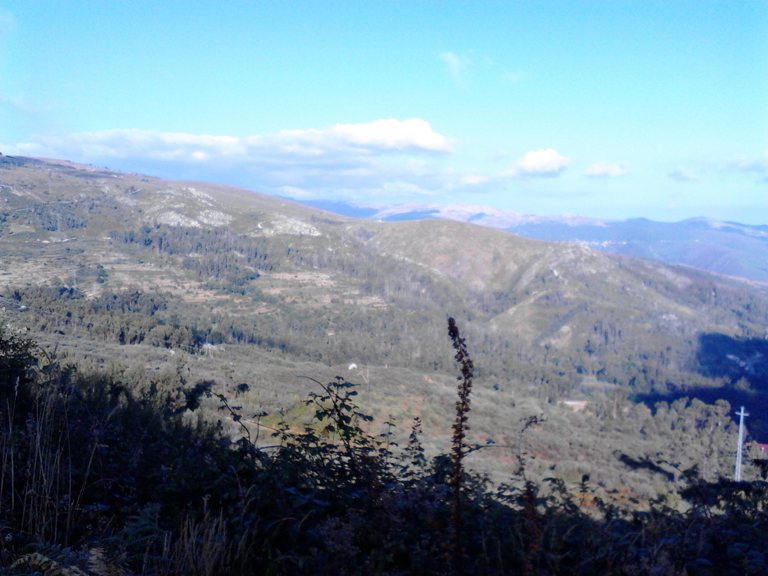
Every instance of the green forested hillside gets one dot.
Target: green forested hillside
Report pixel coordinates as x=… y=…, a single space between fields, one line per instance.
x=164 y=282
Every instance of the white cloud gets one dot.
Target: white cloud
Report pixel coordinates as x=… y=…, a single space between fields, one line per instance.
x=511 y=77
x=758 y=166
x=373 y=138
x=464 y=67
x=607 y=170
x=456 y=65
x=296 y=193
x=24 y=104
x=389 y=157
x=474 y=179
x=179 y=146
x=541 y=163
x=683 y=174
x=391 y=134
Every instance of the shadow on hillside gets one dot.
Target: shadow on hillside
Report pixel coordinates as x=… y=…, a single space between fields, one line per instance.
x=755 y=403
x=742 y=364
x=722 y=356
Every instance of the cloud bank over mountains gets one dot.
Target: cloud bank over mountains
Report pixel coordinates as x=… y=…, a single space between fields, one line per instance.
x=385 y=161
x=380 y=136
x=382 y=156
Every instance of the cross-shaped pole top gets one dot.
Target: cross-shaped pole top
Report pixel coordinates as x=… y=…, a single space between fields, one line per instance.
x=742 y=413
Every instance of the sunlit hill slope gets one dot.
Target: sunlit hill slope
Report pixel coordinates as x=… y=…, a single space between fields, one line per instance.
x=162 y=279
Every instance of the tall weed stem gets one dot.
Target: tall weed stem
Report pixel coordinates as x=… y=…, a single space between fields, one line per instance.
x=459 y=446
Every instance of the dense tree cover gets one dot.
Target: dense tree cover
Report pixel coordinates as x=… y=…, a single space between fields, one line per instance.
x=56 y=218
x=134 y=316
x=216 y=254
x=127 y=317
x=402 y=332
x=680 y=432
x=655 y=355
x=98 y=478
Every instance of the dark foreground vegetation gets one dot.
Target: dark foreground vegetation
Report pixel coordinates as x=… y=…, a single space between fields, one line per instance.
x=98 y=478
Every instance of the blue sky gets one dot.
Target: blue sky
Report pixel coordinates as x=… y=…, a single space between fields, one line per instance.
x=609 y=109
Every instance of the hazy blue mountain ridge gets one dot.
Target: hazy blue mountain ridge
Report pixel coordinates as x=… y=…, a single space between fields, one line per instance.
x=727 y=248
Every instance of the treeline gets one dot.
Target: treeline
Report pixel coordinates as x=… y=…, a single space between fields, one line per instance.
x=126 y=317
x=156 y=319
x=402 y=332
x=211 y=253
x=55 y=216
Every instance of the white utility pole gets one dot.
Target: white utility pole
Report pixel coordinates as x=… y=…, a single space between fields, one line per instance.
x=737 y=473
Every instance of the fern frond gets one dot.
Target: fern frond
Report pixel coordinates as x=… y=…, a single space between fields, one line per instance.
x=49 y=566
x=100 y=565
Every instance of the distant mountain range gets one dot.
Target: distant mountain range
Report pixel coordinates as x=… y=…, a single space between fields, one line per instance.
x=727 y=248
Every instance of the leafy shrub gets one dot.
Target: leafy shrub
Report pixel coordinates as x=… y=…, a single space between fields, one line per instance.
x=96 y=478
